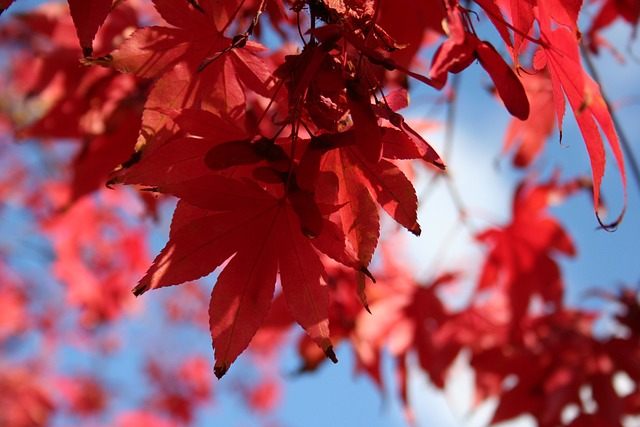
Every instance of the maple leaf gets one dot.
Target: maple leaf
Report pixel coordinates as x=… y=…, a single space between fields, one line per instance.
x=352 y=183
x=85 y=394
x=344 y=309
x=96 y=258
x=554 y=358
x=88 y=16
x=561 y=58
x=610 y=11
x=14 y=305
x=399 y=142
x=96 y=106
x=219 y=218
x=181 y=157
x=178 y=391
x=408 y=28
x=24 y=395
x=193 y=63
x=520 y=260
x=359 y=183
x=142 y=418
x=545 y=390
x=4 y=5
x=408 y=319
x=529 y=135
x=359 y=215
x=454 y=56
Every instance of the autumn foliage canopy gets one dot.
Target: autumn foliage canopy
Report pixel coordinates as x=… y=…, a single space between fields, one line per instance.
x=278 y=127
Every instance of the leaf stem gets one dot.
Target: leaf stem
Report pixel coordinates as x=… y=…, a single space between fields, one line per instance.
x=271 y=101
x=539 y=41
x=451 y=117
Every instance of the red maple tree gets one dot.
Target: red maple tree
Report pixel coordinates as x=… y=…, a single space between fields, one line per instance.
x=282 y=160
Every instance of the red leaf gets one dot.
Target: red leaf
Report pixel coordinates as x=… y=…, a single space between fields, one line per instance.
x=451 y=57
x=180 y=159
x=358 y=214
x=4 y=5
x=224 y=218
x=88 y=16
x=303 y=284
x=408 y=318
x=506 y=81
x=521 y=258
x=365 y=122
x=495 y=16
x=454 y=56
x=195 y=65
x=241 y=299
x=393 y=191
x=562 y=60
x=629 y=10
x=384 y=181
x=530 y=135
x=522 y=18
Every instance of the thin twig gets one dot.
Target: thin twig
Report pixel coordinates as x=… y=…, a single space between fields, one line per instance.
x=456 y=198
x=451 y=117
x=446 y=151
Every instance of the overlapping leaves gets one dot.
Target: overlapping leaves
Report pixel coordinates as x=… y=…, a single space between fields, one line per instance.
x=278 y=160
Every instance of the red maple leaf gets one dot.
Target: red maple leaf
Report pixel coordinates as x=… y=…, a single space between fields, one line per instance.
x=85 y=395
x=219 y=218
x=96 y=257
x=24 y=395
x=344 y=309
x=179 y=390
x=181 y=157
x=334 y=167
x=409 y=318
x=142 y=418
x=610 y=11
x=463 y=47
x=193 y=63
x=4 y=5
x=14 y=306
x=520 y=260
x=98 y=107
x=560 y=56
x=88 y=16
x=552 y=360
x=528 y=136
